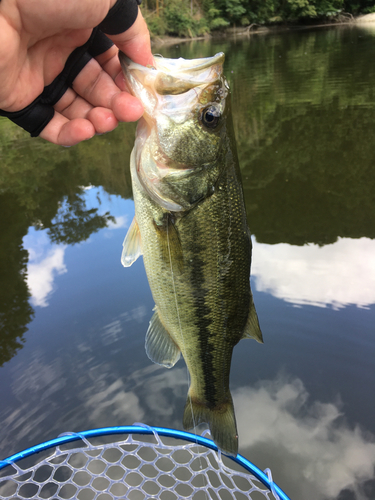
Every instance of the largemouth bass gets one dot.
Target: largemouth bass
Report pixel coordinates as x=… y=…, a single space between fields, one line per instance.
x=190 y=226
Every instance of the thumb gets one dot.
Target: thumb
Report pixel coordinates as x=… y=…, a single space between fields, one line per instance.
x=135 y=42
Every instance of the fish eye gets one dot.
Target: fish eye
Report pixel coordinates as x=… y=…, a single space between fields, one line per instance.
x=211 y=117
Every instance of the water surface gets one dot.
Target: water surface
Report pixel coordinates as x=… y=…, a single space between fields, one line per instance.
x=73 y=320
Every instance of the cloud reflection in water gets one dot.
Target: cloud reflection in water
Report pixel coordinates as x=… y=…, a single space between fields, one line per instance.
x=321 y=454
x=333 y=275
x=41 y=272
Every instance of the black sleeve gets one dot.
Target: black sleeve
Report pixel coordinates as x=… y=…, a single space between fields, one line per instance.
x=40 y=112
x=120 y=17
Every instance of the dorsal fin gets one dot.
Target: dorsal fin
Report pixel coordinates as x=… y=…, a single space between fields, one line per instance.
x=252 y=328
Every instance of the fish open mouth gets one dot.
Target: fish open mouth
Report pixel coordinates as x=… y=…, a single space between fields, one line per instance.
x=171 y=76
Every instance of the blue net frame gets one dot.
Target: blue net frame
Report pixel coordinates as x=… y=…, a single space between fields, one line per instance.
x=138 y=429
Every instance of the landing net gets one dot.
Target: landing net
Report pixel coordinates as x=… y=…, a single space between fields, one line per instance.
x=150 y=462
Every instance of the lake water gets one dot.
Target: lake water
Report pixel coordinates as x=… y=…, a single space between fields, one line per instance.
x=73 y=320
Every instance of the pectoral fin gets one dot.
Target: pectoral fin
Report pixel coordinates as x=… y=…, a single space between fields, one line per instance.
x=252 y=328
x=160 y=347
x=132 y=245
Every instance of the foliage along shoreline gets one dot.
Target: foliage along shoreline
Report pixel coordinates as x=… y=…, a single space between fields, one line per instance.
x=197 y=19
x=261 y=30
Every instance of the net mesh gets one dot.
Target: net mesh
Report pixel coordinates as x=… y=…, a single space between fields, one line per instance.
x=136 y=468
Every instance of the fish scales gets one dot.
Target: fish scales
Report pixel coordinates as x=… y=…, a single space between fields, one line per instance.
x=197 y=257
x=214 y=314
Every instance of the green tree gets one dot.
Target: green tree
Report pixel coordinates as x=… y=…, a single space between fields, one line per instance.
x=233 y=10
x=176 y=17
x=15 y=310
x=73 y=223
x=359 y=6
x=41 y=186
x=213 y=14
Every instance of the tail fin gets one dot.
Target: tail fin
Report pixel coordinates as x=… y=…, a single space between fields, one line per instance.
x=221 y=421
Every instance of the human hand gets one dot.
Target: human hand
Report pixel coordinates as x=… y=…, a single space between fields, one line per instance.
x=36 y=39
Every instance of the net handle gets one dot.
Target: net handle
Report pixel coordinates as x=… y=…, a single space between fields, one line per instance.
x=145 y=430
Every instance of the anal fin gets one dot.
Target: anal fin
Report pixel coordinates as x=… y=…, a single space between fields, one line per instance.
x=132 y=245
x=160 y=347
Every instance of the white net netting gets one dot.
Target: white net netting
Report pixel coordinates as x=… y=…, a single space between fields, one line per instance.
x=138 y=467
